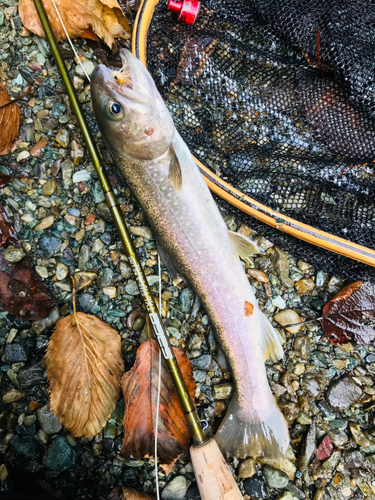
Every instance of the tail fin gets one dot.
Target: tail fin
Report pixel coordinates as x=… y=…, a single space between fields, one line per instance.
x=265 y=436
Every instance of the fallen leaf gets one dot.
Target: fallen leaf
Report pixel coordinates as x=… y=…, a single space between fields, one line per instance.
x=4 y=179
x=9 y=121
x=82 y=18
x=342 y=317
x=22 y=293
x=139 y=386
x=124 y=493
x=84 y=370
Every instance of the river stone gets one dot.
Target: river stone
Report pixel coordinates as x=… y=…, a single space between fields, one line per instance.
x=247 y=468
x=48 y=421
x=205 y=362
x=255 y=487
x=86 y=302
x=343 y=393
x=282 y=267
x=313 y=384
x=14 y=254
x=15 y=353
x=32 y=376
x=287 y=495
x=308 y=447
x=175 y=489
x=49 y=245
x=60 y=455
x=105 y=277
x=275 y=478
x=26 y=447
x=186 y=299
x=44 y=324
x=125 y=270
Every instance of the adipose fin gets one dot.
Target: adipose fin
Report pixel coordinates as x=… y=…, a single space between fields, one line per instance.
x=242 y=246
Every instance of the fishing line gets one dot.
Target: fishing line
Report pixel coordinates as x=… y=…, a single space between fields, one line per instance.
x=69 y=40
x=158 y=398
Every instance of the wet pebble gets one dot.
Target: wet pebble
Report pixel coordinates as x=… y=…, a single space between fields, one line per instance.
x=14 y=254
x=15 y=353
x=142 y=231
x=186 y=299
x=288 y=317
x=205 y=362
x=61 y=271
x=62 y=137
x=31 y=376
x=175 y=489
x=12 y=396
x=275 y=478
x=26 y=447
x=86 y=302
x=247 y=468
x=282 y=267
x=304 y=286
x=222 y=391
x=88 y=68
x=45 y=223
x=48 y=421
x=44 y=324
x=105 y=278
x=343 y=393
x=60 y=455
x=125 y=270
x=313 y=384
x=49 y=188
x=255 y=487
x=49 y=245
x=302 y=346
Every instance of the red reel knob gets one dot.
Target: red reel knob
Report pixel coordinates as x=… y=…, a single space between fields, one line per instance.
x=187 y=10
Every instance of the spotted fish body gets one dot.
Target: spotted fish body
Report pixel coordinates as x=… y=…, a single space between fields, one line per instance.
x=161 y=172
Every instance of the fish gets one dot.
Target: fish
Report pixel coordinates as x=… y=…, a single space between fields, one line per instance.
x=193 y=239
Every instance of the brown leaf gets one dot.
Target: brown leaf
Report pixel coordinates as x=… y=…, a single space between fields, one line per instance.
x=4 y=179
x=9 y=121
x=22 y=293
x=124 y=493
x=139 y=386
x=342 y=316
x=84 y=369
x=83 y=18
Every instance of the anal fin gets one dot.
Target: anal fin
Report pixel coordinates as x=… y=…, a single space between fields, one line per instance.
x=272 y=349
x=242 y=246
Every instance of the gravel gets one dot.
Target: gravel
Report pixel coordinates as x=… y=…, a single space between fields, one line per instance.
x=65 y=226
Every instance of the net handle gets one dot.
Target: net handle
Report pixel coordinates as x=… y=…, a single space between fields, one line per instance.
x=237 y=198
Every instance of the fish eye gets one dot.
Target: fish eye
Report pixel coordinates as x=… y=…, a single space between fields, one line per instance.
x=115 y=110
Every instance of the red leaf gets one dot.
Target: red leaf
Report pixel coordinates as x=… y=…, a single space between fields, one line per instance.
x=21 y=291
x=324 y=449
x=4 y=179
x=342 y=316
x=139 y=386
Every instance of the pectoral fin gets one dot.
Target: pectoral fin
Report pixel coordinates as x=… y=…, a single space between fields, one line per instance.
x=242 y=246
x=175 y=174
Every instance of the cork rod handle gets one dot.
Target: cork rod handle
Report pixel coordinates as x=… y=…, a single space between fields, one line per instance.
x=215 y=482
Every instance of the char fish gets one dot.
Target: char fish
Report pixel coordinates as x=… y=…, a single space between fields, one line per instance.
x=192 y=235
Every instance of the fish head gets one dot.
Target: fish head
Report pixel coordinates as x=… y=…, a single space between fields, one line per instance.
x=130 y=112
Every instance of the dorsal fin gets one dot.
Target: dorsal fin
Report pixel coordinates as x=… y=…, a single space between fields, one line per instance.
x=242 y=246
x=175 y=174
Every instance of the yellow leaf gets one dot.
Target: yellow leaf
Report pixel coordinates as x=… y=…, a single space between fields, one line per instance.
x=84 y=369
x=85 y=18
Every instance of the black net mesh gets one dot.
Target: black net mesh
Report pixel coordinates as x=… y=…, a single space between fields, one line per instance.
x=277 y=97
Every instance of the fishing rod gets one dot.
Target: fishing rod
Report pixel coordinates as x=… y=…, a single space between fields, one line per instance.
x=215 y=481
